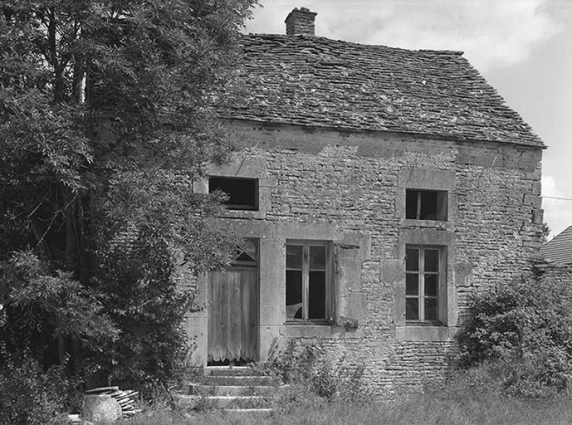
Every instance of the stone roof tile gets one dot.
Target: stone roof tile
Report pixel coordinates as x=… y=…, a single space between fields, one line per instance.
x=559 y=248
x=315 y=81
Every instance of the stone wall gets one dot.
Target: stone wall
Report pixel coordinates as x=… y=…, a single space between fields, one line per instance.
x=553 y=272
x=350 y=188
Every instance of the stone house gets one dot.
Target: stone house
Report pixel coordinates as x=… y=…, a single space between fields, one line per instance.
x=379 y=188
x=559 y=248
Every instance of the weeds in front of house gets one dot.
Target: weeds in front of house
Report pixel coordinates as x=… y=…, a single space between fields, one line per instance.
x=314 y=376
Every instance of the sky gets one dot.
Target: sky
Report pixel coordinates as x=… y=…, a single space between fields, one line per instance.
x=522 y=47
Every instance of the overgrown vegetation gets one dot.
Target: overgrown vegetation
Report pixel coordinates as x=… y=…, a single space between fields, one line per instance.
x=521 y=335
x=106 y=120
x=30 y=395
x=314 y=375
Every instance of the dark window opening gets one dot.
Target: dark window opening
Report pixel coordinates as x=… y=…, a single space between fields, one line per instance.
x=307 y=276
x=242 y=193
x=426 y=205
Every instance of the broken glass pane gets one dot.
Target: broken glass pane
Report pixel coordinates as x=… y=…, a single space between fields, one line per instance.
x=293 y=294
x=317 y=293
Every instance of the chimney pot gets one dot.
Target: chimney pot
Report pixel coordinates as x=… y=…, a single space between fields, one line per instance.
x=300 y=21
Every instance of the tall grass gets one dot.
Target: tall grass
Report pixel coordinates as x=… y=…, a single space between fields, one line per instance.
x=427 y=410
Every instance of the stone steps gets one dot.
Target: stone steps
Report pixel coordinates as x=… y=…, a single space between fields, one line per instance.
x=236 y=390
x=233 y=390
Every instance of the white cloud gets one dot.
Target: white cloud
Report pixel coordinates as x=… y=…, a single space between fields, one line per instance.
x=492 y=33
x=557 y=212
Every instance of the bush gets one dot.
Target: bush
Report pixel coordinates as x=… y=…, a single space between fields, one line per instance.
x=308 y=368
x=522 y=332
x=30 y=396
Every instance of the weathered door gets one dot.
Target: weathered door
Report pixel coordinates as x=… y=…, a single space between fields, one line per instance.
x=233 y=309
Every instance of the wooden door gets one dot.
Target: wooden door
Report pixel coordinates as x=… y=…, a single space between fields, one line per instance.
x=233 y=312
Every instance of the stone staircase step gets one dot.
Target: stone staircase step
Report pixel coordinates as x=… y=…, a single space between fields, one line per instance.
x=219 y=402
x=238 y=380
x=231 y=371
x=235 y=390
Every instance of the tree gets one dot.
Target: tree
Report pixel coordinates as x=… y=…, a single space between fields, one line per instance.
x=106 y=120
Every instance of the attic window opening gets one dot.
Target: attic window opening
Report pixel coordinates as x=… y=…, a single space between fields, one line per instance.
x=242 y=193
x=426 y=204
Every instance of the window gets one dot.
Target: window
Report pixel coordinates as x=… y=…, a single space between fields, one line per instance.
x=308 y=281
x=426 y=204
x=242 y=192
x=424 y=274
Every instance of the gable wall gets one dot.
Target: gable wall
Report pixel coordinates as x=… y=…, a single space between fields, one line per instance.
x=350 y=188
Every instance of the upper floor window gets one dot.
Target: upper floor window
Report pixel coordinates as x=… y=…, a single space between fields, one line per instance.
x=308 y=280
x=242 y=193
x=426 y=204
x=424 y=275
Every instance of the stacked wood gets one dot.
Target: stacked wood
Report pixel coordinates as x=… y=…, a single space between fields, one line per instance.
x=125 y=398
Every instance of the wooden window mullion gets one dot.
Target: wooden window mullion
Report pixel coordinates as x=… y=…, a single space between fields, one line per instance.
x=421 y=284
x=305 y=282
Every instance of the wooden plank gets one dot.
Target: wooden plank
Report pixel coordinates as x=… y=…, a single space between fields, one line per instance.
x=251 y=314
x=217 y=278
x=236 y=316
x=244 y=315
x=254 y=309
x=223 y=313
x=210 y=306
x=229 y=292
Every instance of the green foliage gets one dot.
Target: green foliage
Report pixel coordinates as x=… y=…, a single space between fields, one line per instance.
x=522 y=331
x=106 y=121
x=29 y=395
x=310 y=369
x=40 y=304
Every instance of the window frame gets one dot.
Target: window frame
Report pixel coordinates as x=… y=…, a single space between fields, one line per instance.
x=328 y=281
x=441 y=290
x=441 y=204
x=255 y=206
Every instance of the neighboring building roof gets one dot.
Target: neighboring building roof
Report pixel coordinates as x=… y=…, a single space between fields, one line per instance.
x=318 y=82
x=559 y=249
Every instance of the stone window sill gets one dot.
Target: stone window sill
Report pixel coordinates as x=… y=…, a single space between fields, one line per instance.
x=433 y=224
x=425 y=333
x=244 y=214
x=310 y=330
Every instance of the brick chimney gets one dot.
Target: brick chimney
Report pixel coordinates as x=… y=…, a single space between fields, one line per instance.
x=300 y=21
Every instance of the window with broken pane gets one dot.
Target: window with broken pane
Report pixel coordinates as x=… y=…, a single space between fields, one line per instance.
x=307 y=277
x=242 y=193
x=426 y=204
x=423 y=276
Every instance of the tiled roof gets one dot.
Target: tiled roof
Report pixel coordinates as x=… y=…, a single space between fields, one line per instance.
x=559 y=249
x=318 y=82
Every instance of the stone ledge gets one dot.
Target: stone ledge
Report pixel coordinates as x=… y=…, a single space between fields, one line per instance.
x=425 y=333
